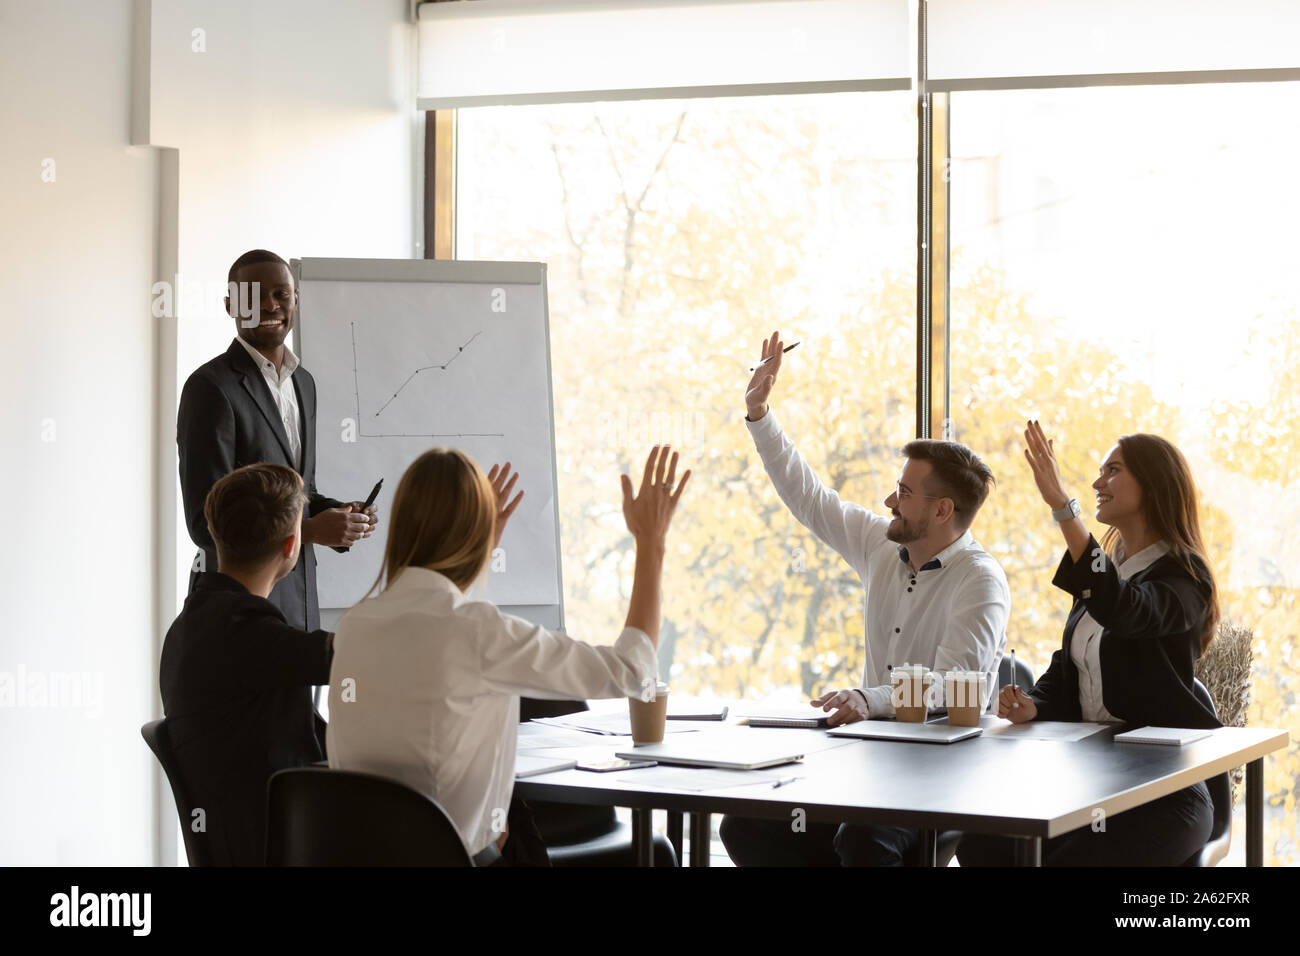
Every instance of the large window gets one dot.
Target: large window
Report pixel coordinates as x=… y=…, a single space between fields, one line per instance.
x=1123 y=260
x=677 y=235
x=1120 y=261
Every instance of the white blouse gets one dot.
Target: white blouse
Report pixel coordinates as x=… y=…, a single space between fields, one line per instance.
x=425 y=686
x=1085 y=642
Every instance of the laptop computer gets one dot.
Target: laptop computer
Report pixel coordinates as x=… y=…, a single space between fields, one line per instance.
x=934 y=733
x=729 y=751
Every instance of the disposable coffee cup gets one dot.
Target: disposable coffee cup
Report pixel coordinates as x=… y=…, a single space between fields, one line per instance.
x=964 y=693
x=649 y=716
x=910 y=682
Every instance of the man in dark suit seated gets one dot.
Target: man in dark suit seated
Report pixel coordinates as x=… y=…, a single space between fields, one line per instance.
x=237 y=679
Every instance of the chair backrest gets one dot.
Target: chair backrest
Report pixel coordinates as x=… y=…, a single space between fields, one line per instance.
x=155 y=734
x=322 y=817
x=1220 y=788
x=530 y=708
x=1226 y=671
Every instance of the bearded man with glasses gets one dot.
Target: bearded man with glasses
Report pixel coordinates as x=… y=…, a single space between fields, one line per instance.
x=934 y=597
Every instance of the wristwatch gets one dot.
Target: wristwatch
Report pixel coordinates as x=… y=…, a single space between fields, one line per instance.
x=1071 y=510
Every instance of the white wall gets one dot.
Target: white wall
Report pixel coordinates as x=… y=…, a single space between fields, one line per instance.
x=293 y=129
x=296 y=132
x=76 y=262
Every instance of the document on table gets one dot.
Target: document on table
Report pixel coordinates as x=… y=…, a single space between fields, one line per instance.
x=588 y=754
x=614 y=723
x=697 y=779
x=1066 y=730
x=538 y=737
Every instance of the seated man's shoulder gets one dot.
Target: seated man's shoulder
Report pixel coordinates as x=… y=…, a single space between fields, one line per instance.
x=981 y=565
x=215 y=610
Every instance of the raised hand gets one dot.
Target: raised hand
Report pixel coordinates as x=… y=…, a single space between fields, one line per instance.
x=502 y=488
x=764 y=378
x=1042 y=461
x=649 y=513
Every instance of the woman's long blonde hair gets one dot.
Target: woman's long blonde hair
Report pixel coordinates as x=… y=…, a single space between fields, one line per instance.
x=443 y=518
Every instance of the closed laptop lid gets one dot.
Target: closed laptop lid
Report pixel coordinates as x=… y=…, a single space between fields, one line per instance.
x=933 y=733
x=730 y=750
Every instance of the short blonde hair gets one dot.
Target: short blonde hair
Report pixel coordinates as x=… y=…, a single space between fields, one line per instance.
x=443 y=518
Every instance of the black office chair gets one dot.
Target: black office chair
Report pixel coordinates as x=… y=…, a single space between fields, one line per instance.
x=159 y=740
x=1024 y=675
x=578 y=835
x=322 y=817
x=1216 y=848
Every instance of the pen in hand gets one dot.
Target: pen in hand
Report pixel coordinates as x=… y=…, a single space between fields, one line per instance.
x=374 y=493
x=1014 y=689
x=770 y=357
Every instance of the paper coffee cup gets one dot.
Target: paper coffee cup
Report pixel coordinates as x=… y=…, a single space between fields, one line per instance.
x=648 y=717
x=909 y=683
x=964 y=693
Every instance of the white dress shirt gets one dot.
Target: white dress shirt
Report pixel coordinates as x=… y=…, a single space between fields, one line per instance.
x=436 y=677
x=952 y=614
x=286 y=399
x=1085 y=642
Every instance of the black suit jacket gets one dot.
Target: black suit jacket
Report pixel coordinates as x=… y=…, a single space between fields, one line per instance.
x=227 y=419
x=1150 y=640
x=236 y=684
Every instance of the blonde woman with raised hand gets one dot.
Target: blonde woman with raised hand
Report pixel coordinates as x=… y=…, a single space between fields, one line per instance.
x=434 y=677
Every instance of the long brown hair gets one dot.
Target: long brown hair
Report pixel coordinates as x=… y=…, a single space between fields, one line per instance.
x=444 y=519
x=1170 y=508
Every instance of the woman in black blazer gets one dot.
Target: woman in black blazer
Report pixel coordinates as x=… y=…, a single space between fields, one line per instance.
x=1145 y=608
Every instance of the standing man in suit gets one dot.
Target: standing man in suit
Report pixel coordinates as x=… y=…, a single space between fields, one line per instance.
x=256 y=403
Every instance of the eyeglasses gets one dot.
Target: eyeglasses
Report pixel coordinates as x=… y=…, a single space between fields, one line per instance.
x=902 y=494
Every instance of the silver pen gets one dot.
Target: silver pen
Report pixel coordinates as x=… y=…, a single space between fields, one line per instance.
x=1015 y=704
x=770 y=357
x=782 y=783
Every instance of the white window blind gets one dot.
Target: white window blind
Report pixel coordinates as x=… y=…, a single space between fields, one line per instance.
x=493 y=52
x=1010 y=44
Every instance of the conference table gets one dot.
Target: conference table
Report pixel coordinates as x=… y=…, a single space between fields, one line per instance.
x=1028 y=789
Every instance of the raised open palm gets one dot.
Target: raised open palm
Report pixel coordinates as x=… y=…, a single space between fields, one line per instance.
x=764 y=378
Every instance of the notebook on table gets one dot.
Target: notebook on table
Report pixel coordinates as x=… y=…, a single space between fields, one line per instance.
x=699 y=713
x=1169 y=736
x=532 y=765
x=809 y=720
x=792 y=716
x=730 y=751
x=935 y=733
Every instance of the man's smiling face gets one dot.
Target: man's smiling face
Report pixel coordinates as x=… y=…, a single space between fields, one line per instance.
x=276 y=304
